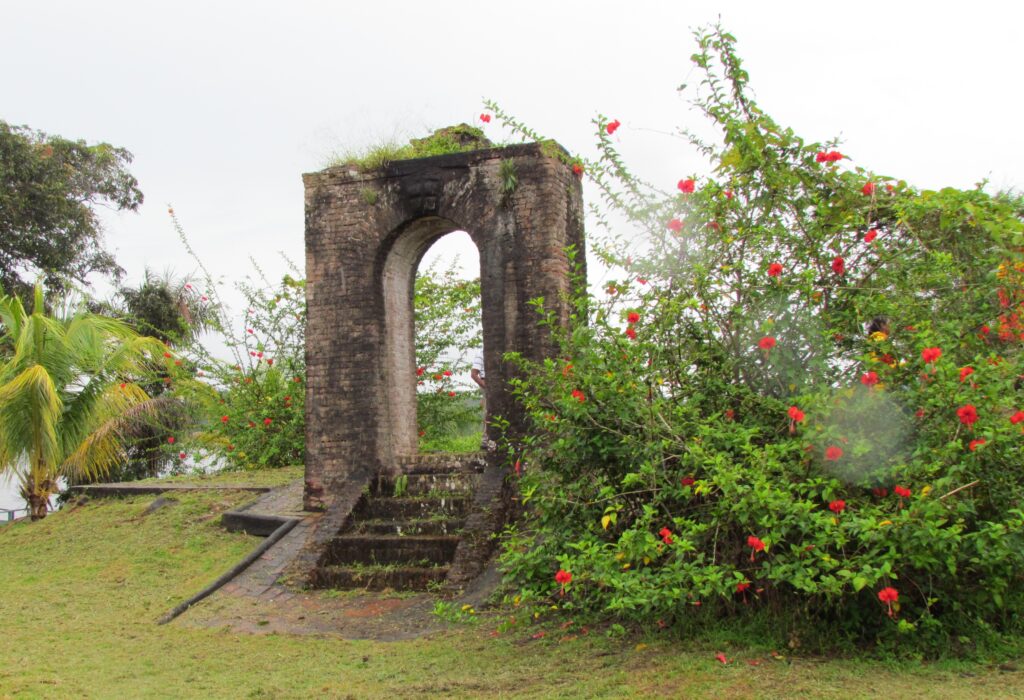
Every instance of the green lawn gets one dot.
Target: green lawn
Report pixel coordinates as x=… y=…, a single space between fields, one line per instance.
x=254 y=477
x=80 y=593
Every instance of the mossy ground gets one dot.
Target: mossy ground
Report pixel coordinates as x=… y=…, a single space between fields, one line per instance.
x=80 y=593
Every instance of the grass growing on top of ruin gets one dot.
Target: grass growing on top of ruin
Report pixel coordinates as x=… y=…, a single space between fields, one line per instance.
x=452 y=139
x=80 y=593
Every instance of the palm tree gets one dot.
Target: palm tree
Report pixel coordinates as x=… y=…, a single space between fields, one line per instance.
x=67 y=403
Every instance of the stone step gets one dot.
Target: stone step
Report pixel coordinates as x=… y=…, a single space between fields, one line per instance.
x=417 y=484
x=443 y=464
x=390 y=508
x=429 y=526
x=409 y=550
x=379 y=578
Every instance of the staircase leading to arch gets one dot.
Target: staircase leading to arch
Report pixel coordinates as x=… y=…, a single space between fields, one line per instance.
x=403 y=532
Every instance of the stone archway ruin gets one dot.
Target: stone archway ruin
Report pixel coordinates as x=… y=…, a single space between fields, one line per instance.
x=365 y=235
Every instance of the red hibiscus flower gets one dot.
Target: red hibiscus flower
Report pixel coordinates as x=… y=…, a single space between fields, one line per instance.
x=728 y=194
x=766 y=343
x=270 y=361
x=839 y=265
x=821 y=157
x=250 y=331
x=633 y=317
x=833 y=453
x=880 y=491
x=577 y=169
x=869 y=378
x=756 y=545
x=485 y=118
x=930 y=355
x=579 y=395
x=742 y=586
x=447 y=373
x=775 y=269
x=687 y=481
x=675 y=225
x=837 y=506
x=631 y=333
x=167 y=354
x=666 y=535
x=1014 y=419
x=182 y=455
x=687 y=186
x=870 y=235
x=965 y=372
x=170 y=441
x=223 y=419
x=451 y=393
x=641 y=280
x=612 y=126
x=975 y=444
x=868 y=189
x=889 y=596
x=268 y=421
x=563 y=577
x=796 y=415
x=420 y=371
x=901 y=491
x=967 y=414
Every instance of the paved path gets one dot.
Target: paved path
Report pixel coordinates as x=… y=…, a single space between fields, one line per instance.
x=258 y=601
x=134 y=488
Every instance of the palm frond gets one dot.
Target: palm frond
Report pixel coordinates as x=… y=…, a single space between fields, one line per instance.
x=30 y=408
x=105 y=446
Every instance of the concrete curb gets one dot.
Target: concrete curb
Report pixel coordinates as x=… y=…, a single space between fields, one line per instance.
x=282 y=526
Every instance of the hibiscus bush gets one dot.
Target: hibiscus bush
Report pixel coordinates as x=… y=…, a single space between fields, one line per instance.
x=252 y=406
x=799 y=399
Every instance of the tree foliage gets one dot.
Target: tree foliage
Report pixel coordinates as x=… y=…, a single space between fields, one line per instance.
x=49 y=187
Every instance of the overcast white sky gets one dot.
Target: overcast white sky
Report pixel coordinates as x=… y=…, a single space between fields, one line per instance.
x=225 y=104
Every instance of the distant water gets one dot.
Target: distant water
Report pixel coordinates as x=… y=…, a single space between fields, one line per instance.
x=9 y=497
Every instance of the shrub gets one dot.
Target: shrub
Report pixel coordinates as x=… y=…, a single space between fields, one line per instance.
x=800 y=398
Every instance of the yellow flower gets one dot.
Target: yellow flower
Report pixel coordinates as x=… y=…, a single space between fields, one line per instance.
x=879 y=336
x=884 y=523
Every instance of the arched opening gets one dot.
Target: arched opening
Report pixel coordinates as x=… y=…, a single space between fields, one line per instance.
x=404 y=259
x=448 y=339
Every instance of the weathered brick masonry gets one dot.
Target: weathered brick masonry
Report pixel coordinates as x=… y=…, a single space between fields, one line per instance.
x=365 y=234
